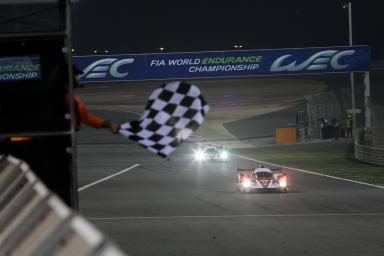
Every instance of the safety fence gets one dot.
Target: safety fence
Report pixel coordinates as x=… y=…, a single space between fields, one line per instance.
x=368 y=154
x=326 y=106
x=34 y=221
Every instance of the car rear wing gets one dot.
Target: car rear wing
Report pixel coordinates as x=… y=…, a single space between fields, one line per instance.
x=277 y=170
x=244 y=171
x=279 y=173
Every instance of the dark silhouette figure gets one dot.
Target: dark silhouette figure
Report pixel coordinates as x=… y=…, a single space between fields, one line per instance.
x=336 y=128
x=323 y=127
x=349 y=126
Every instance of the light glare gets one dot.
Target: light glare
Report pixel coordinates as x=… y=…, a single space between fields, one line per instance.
x=199 y=155
x=283 y=183
x=224 y=155
x=247 y=183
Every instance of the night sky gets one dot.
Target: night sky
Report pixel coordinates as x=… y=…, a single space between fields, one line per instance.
x=122 y=26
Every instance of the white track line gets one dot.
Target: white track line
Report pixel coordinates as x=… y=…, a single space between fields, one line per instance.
x=314 y=173
x=108 y=177
x=132 y=112
x=240 y=216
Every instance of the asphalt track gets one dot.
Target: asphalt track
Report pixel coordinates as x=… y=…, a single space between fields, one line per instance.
x=181 y=207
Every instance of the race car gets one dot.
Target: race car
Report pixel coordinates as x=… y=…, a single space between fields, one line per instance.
x=261 y=179
x=211 y=153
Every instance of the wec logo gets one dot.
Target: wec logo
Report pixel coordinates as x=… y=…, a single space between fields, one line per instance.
x=100 y=68
x=318 y=61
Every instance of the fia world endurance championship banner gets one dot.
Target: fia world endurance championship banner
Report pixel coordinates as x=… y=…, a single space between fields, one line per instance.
x=20 y=68
x=163 y=66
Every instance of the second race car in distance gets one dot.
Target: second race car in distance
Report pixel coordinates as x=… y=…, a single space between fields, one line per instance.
x=261 y=179
x=211 y=153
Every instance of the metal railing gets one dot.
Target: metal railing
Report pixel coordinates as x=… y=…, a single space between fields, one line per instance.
x=368 y=154
x=35 y=222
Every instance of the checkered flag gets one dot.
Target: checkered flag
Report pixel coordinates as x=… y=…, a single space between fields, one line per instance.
x=173 y=112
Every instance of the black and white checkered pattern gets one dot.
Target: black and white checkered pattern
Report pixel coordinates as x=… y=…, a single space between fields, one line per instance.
x=173 y=112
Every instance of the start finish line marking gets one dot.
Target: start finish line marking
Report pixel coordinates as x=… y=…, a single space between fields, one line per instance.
x=108 y=177
x=239 y=216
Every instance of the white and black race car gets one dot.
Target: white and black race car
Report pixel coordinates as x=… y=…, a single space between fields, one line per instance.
x=211 y=153
x=261 y=179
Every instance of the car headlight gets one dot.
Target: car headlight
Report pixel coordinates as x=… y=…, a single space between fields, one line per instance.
x=223 y=154
x=246 y=183
x=283 y=182
x=199 y=155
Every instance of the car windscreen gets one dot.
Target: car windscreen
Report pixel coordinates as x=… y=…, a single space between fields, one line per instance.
x=264 y=175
